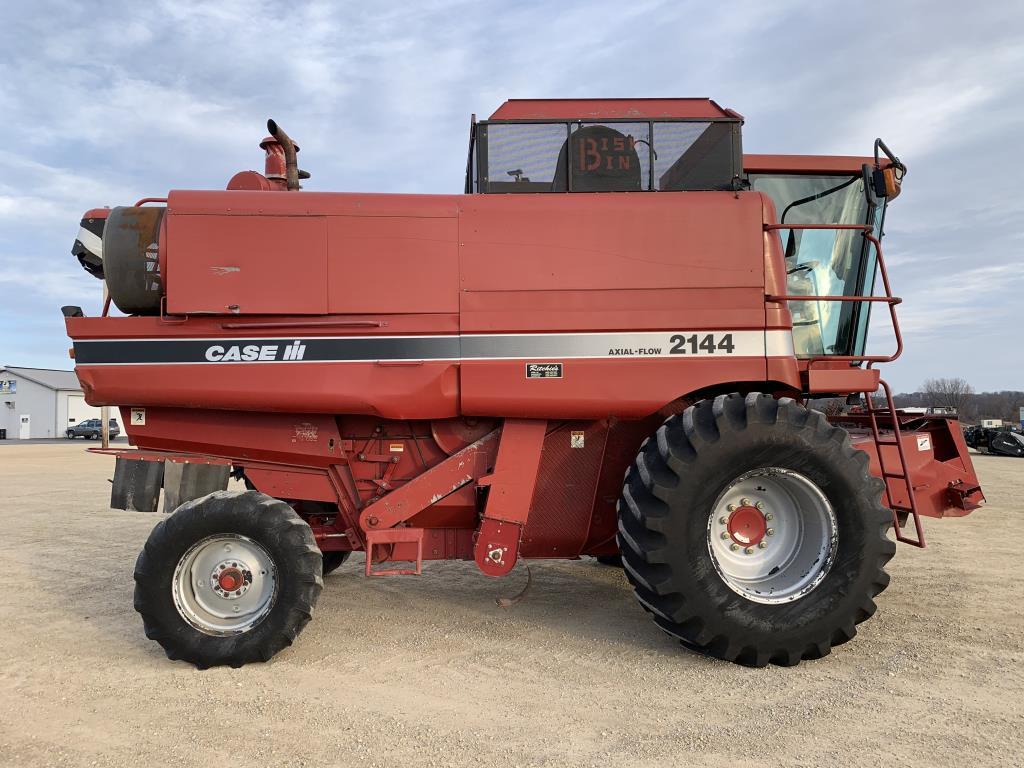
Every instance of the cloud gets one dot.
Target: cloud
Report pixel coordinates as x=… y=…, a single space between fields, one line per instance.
x=102 y=108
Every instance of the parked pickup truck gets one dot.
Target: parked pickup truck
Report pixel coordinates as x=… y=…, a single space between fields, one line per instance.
x=91 y=429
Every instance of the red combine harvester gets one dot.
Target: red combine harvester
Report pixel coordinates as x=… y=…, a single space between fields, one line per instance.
x=603 y=348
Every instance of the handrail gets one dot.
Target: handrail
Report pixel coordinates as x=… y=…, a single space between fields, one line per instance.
x=888 y=298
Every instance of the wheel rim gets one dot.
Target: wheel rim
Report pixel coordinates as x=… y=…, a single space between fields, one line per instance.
x=772 y=535
x=225 y=584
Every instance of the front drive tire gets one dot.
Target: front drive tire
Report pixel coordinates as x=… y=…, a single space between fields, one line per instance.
x=694 y=522
x=228 y=579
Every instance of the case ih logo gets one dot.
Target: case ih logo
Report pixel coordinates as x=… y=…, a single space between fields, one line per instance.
x=250 y=353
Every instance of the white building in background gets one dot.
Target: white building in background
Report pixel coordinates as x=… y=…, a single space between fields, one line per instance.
x=38 y=402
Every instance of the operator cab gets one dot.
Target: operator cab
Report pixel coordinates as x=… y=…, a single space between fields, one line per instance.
x=826 y=192
x=605 y=145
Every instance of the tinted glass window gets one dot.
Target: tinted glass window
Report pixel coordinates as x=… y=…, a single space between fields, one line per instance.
x=610 y=157
x=822 y=262
x=671 y=143
x=523 y=155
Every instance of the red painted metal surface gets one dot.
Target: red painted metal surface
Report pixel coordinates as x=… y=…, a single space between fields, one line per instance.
x=231 y=260
x=394 y=537
x=838 y=165
x=510 y=490
x=432 y=485
x=593 y=109
x=747 y=526
x=944 y=481
x=427 y=391
x=564 y=502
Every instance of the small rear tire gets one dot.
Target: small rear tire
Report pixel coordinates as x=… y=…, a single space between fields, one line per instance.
x=334 y=560
x=752 y=530
x=228 y=579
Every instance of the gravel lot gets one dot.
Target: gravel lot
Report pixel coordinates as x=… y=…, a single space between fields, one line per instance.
x=429 y=671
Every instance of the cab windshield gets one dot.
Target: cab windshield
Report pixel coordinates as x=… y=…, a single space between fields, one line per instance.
x=825 y=262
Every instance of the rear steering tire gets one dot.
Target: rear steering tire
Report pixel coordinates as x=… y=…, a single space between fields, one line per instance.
x=752 y=531
x=228 y=579
x=334 y=560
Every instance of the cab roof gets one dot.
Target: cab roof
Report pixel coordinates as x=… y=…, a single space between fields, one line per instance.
x=611 y=109
x=809 y=164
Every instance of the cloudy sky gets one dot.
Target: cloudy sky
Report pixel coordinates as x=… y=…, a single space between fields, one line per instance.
x=107 y=102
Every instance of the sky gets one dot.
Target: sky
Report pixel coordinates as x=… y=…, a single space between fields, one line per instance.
x=103 y=103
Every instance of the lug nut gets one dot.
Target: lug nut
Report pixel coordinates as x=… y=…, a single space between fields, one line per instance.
x=769 y=516
x=770 y=531
x=730 y=508
x=734 y=547
x=760 y=505
x=725 y=534
x=744 y=502
x=748 y=551
x=723 y=520
x=763 y=544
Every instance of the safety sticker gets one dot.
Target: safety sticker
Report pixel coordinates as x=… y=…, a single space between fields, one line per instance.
x=139 y=417
x=924 y=443
x=576 y=439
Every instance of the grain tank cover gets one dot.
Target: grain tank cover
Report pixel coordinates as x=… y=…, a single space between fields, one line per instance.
x=606 y=145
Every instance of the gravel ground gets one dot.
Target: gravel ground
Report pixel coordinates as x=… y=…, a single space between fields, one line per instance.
x=429 y=671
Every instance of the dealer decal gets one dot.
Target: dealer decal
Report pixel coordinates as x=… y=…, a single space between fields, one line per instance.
x=543 y=370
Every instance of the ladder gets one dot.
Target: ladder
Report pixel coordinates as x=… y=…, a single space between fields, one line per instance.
x=901 y=473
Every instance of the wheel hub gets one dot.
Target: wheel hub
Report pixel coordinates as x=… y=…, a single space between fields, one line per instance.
x=747 y=526
x=230 y=580
x=225 y=584
x=772 y=535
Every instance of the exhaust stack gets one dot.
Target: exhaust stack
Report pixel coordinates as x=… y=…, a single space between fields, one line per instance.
x=290 y=151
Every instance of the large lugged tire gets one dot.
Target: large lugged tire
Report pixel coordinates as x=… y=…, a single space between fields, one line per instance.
x=752 y=531
x=229 y=578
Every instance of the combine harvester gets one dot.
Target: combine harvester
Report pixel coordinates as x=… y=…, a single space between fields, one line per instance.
x=603 y=347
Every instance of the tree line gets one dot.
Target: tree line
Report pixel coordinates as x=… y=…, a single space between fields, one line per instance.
x=953 y=393
x=970 y=405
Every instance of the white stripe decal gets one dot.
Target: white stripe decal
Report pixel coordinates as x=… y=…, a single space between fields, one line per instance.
x=91 y=242
x=370 y=348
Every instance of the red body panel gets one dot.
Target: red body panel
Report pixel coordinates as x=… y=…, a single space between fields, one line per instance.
x=607 y=109
x=944 y=482
x=396 y=265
